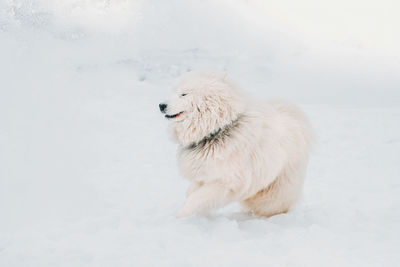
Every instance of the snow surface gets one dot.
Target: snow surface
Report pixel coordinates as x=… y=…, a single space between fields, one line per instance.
x=88 y=175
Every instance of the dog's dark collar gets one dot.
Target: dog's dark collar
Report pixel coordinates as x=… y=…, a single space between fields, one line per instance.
x=223 y=131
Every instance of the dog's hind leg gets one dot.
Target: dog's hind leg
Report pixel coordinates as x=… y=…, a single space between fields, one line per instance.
x=280 y=195
x=207 y=197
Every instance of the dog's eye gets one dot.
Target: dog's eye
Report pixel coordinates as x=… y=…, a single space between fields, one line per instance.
x=183 y=94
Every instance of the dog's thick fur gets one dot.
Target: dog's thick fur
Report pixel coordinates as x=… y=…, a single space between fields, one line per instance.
x=232 y=149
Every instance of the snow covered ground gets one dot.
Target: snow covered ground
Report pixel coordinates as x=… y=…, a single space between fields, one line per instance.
x=88 y=175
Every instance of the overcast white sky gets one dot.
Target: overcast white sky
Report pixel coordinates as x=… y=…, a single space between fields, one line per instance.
x=368 y=23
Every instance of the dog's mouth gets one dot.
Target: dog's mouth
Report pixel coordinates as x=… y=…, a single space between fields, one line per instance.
x=173 y=116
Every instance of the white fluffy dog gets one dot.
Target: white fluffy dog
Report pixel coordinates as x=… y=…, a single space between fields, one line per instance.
x=232 y=149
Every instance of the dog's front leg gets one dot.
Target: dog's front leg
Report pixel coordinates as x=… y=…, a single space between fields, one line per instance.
x=194 y=185
x=206 y=198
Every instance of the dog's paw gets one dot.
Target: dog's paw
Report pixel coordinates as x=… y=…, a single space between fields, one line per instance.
x=184 y=212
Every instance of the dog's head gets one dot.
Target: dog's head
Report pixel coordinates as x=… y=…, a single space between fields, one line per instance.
x=202 y=104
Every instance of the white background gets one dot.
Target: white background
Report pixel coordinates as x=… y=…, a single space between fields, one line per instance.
x=88 y=175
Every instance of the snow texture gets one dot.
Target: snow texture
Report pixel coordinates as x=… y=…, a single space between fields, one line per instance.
x=88 y=175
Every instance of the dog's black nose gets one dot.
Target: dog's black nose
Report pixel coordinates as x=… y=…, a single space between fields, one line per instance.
x=162 y=107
